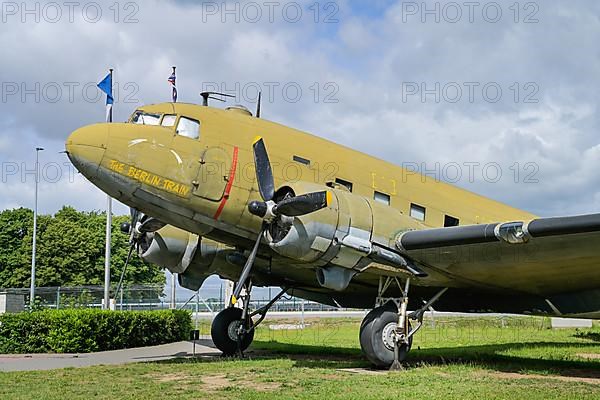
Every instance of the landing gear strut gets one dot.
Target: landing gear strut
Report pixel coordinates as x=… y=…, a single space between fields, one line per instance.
x=386 y=333
x=232 y=329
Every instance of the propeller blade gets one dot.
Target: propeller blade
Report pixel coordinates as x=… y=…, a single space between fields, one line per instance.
x=258 y=105
x=264 y=173
x=303 y=204
x=247 y=267
x=151 y=224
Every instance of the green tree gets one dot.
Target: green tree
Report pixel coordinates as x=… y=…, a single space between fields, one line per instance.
x=70 y=250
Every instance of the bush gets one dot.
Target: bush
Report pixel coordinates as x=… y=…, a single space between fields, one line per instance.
x=84 y=330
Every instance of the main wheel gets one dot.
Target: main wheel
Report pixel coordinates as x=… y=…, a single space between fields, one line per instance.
x=376 y=336
x=224 y=331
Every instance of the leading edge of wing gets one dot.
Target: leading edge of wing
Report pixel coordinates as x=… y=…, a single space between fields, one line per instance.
x=511 y=232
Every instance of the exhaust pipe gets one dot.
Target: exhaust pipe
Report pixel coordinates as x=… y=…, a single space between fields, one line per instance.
x=335 y=278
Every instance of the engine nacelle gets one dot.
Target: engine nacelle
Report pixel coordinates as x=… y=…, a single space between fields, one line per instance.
x=194 y=259
x=340 y=236
x=170 y=248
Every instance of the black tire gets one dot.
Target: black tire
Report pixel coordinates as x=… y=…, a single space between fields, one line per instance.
x=223 y=331
x=379 y=352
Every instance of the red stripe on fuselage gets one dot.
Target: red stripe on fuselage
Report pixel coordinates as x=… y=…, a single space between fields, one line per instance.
x=234 y=162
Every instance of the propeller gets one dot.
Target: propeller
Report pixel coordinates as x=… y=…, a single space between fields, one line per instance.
x=140 y=225
x=137 y=230
x=293 y=206
x=270 y=210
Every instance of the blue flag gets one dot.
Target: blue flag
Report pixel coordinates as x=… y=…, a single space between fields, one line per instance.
x=106 y=86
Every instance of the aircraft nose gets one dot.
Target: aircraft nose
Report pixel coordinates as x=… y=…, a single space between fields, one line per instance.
x=85 y=148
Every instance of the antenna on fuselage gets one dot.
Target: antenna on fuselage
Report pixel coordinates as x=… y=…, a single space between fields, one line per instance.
x=258 y=106
x=209 y=95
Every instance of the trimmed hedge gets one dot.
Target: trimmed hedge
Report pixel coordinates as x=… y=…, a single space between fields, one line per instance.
x=83 y=330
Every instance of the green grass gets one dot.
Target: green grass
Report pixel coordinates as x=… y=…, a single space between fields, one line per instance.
x=520 y=358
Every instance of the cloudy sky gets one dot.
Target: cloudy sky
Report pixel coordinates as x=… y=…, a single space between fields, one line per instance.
x=461 y=91
x=498 y=97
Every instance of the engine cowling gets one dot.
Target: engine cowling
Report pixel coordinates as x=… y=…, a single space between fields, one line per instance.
x=343 y=235
x=193 y=258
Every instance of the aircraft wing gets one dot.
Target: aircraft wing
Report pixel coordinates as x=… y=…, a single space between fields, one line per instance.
x=543 y=256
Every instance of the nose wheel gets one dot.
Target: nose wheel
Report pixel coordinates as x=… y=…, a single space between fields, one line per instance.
x=232 y=330
x=230 y=333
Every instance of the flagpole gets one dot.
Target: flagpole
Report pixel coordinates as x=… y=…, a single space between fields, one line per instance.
x=172 y=79
x=108 y=224
x=174 y=279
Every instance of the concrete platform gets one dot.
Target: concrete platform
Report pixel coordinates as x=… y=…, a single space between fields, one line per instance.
x=38 y=362
x=560 y=323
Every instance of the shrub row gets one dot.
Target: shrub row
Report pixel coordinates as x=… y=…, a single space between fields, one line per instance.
x=83 y=330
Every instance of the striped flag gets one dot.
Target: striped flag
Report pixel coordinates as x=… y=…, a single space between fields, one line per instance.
x=106 y=86
x=172 y=79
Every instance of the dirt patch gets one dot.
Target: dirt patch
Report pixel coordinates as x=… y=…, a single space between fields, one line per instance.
x=591 y=377
x=589 y=356
x=218 y=382
x=262 y=386
x=169 y=377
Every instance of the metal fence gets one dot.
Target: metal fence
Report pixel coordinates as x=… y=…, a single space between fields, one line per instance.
x=211 y=298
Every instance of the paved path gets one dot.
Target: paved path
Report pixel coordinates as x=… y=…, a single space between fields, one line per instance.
x=36 y=362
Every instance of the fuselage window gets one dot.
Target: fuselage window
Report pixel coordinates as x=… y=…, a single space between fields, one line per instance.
x=169 y=120
x=143 y=118
x=417 y=212
x=382 y=198
x=450 y=221
x=345 y=183
x=188 y=127
x=301 y=160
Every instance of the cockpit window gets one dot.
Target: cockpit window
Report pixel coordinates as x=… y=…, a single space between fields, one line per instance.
x=169 y=120
x=188 y=127
x=143 y=118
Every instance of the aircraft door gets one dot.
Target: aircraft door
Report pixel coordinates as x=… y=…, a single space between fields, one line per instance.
x=214 y=173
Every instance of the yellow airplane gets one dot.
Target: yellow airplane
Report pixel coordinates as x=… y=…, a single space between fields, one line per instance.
x=329 y=224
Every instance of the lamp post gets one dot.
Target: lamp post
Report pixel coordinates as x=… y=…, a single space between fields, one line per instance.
x=32 y=288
